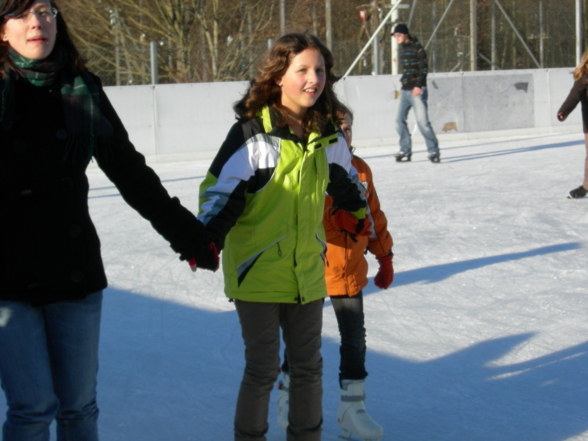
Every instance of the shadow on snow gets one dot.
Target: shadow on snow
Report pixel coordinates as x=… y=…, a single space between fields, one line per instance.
x=436 y=273
x=170 y=371
x=484 y=154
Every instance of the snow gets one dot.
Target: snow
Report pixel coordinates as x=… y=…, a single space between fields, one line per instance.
x=482 y=336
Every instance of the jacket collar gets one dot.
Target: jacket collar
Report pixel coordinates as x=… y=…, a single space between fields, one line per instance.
x=319 y=139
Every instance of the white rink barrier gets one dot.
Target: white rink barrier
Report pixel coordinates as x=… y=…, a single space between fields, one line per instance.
x=176 y=122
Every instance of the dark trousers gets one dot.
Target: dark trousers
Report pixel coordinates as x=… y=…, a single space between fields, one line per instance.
x=585 y=183
x=301 y=328
x=350 y=318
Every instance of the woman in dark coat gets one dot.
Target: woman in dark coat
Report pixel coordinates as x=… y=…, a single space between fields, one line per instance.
x=54 y=118
x=579 y=94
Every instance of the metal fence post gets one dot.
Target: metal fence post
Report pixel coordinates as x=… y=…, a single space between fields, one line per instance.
x=473 y=35
x=578 y=32
x=154 y=69
x=328 y=24
x=282 y=17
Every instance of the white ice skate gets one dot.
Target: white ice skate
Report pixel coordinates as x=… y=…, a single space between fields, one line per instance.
x=352 y=416
x=283 y=402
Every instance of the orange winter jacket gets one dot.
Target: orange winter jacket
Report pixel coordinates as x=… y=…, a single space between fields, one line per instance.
x=346 y=267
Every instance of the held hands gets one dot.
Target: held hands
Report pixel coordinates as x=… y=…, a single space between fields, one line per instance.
x=348 y=222
x=385 y=275
x=206 y=257
x=194 y=244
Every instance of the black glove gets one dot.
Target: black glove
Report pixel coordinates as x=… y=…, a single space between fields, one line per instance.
x=198 y=248
x=205 y=257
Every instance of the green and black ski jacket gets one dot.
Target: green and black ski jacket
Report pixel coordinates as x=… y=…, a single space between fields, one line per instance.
x=263 y=200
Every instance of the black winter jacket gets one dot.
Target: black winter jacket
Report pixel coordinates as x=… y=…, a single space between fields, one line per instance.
x=578 y=94
x=412 y=60
x=49 y=249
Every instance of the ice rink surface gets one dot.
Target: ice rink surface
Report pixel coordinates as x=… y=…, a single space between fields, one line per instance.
x=483 y=335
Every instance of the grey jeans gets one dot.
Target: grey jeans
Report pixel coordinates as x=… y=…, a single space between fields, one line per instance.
x=301 y=328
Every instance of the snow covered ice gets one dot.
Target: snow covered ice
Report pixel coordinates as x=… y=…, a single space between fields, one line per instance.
x=483 y=336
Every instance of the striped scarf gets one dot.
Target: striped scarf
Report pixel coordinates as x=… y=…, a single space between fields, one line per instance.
x=80 y=97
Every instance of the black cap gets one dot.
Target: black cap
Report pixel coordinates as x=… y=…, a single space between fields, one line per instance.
x=400 y=28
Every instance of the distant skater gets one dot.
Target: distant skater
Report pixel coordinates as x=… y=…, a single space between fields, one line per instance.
x=579 y=94
x=412 y=60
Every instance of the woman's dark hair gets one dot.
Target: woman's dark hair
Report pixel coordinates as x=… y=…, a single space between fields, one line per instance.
x=264 y=89
x=63 y=39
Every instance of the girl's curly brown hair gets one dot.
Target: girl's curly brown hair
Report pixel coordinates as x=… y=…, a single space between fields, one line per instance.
x=264 y=90
x=582 y=68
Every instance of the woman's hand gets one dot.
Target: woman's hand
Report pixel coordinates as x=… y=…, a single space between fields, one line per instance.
x=206 y=257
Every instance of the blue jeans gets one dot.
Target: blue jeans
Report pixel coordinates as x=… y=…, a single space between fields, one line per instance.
x=48 y=368
x=350 y=318
x=419 y=104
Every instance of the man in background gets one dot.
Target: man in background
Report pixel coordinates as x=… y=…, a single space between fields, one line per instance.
x=412 y=62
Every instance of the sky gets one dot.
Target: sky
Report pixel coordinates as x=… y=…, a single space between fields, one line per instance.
x=483 y=336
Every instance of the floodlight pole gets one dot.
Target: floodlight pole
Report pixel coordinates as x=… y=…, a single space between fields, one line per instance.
x=473 y=35
x=394 y=45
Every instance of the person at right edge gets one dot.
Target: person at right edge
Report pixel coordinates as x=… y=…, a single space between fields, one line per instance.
x=412 y=61
x=346 y=272
x=579 y=94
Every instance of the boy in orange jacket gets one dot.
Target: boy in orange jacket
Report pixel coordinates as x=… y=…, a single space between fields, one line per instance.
x=346 y=275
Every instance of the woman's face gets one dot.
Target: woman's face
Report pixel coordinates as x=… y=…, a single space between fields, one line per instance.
x=32 y=34
x=303 y=82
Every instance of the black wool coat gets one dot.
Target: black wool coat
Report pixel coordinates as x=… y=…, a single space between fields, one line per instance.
x=49 y=248
x=578 y=94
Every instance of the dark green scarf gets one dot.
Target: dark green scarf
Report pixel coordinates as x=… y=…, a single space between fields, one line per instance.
x=80 y=96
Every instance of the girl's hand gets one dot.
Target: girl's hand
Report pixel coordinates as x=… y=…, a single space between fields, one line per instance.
x=207 y=258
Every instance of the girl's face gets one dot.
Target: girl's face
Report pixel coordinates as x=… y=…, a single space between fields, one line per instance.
x=303 y=82
x=32 y=34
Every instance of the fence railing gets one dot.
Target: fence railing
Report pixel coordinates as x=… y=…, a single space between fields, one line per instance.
x=509 y=34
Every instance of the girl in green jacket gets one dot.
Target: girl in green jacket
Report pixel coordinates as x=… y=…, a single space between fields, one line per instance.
x=262 y=200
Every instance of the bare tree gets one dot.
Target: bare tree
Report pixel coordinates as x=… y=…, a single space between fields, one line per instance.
x=213 y=40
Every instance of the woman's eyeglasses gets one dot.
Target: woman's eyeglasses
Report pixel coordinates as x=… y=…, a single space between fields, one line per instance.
x=42 y=15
